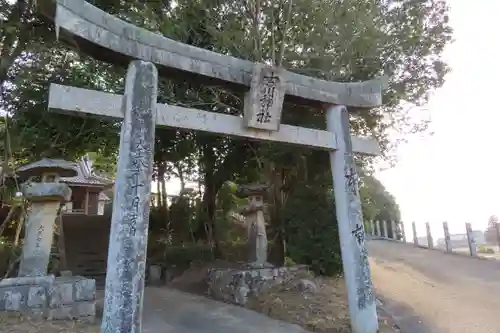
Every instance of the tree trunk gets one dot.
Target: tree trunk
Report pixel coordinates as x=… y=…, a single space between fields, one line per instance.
x=20 y=225
x=5 y=223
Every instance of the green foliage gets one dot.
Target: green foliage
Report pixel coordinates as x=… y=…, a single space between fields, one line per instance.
x=350 y=40
x=183 y=255
x=311 y=230
x=8 y=253
x=289 y=262
x=378 y=203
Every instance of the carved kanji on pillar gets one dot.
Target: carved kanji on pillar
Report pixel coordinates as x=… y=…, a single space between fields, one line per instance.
x=264 y=102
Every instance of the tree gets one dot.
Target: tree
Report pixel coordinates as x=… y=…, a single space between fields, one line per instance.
x=348 y=40
x=378 y=203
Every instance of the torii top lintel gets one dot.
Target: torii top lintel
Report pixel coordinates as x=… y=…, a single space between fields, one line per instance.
x=106 y=37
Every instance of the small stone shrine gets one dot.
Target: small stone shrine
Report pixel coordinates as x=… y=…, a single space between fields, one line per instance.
x=33 y=291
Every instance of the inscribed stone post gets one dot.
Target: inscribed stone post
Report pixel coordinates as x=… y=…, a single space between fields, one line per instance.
x=131 y=203
x=45 y=201
x=362 y=306
x=394 y=230
x=403 y=233
x=430 y=241
x=377 y=225
x=384 y=229
x=372 y=227
x=447 y=239
x=264 y=103
x=471 y=240
x=415 y=238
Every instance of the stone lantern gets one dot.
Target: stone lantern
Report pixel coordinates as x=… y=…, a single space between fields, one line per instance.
x=45 y=198
x=256 y=224
x=47 y=170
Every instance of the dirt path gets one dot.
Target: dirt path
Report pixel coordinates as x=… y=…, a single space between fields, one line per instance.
x=433 y=292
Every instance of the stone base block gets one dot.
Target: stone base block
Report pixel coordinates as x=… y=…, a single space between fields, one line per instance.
x=72 y=297
x=25 y=294
x=235 y=286
x=55 y=298
x=78 y=310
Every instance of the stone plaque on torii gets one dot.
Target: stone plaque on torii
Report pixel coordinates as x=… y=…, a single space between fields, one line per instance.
x=110 y=39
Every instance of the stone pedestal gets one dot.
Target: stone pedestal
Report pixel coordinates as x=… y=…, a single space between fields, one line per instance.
x=25 y=294
x=72 y=297
x=45 y=201
x=50 y=297
x=236 y=285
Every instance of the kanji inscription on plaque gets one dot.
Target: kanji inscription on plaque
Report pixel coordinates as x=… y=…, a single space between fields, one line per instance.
x=264 y=102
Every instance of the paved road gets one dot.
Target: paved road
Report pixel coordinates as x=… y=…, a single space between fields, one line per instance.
x=432 y=292
x=172 y=311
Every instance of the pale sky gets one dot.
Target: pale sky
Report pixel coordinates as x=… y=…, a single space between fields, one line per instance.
x=453 y=175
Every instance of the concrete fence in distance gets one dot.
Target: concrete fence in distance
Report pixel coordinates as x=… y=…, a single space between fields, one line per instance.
x=471 y=241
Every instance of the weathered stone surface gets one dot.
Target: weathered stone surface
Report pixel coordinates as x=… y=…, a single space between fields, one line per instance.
x=78 y=310
x=264 y=103
x=255 y=222
x=38 y=238
x=23 y=298
x=117 y=38
x=131 y=204
x=45 y=200
x=72 y=298
x=15 y=299
x=78 y=101
x=85 y=290
x=247 y=190
x=154 y=276
x=37 y=297
x=84 y=309
x=46 y=191
x=60 y=313
x=235 y=286
x=61 y=294
x=61 y=298
x=241 y=294
x=66 y=273
x=430 y=240
x=307 y=286
x=46 y=281
x=362 y=307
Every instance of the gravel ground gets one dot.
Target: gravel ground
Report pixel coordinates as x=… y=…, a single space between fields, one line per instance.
x=429 y=291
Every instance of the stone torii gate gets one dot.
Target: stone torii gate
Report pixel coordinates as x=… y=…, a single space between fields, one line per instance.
x=108 y=38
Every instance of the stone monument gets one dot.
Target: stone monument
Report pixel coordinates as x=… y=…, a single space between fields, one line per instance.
x=45 y=199
x=33 y=291
x=256 y=224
